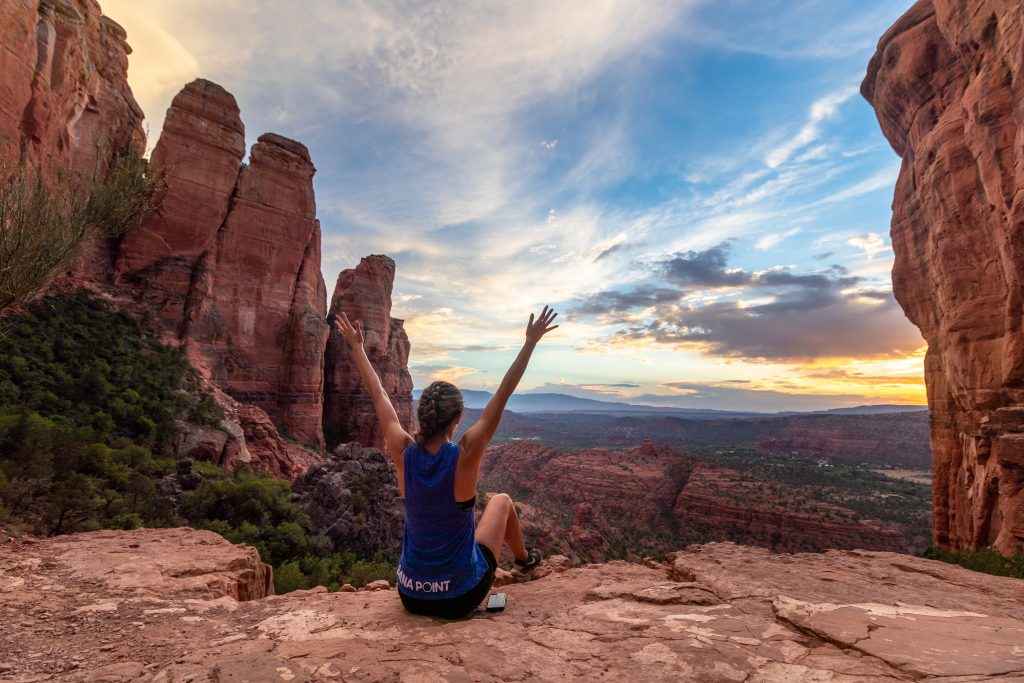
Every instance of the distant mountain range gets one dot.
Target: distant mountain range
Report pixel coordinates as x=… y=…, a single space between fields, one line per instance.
x=563 y=403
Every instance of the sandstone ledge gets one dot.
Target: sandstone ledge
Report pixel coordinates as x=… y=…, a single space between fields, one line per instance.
x=717 y=612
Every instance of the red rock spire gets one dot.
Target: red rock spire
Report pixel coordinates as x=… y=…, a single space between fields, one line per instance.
x=946 y=85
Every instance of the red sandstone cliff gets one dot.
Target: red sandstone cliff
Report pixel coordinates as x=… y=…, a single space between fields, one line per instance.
x=947 y=83
x=364 y=294
x=231 y=260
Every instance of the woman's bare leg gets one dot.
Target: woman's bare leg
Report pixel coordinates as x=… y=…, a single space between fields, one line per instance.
x=499 y=525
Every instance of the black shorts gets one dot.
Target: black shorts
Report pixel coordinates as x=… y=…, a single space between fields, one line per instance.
x=460 y=605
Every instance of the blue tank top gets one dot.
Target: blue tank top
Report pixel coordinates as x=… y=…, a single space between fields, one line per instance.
x=440 y=558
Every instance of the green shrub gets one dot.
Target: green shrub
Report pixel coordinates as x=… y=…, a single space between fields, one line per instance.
x=288 y=577
x=986 y=560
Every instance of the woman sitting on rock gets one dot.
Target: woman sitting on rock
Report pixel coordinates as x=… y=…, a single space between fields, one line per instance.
x=448 y=562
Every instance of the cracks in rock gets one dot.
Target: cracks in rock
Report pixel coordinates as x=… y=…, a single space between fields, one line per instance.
x=194 y=298
x=843 y=645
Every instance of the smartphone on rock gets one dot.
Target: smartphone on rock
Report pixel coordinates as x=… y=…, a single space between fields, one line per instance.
x=496 y=602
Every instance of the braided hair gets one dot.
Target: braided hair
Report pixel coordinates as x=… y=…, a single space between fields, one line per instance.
x=440 y=403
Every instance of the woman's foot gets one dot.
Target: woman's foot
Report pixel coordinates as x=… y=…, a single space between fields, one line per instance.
x=533 y=558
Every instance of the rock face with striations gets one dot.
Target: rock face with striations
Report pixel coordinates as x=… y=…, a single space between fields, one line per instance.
x=364 y=294
x=947 y=83
x=63 y=83
x=231 y=261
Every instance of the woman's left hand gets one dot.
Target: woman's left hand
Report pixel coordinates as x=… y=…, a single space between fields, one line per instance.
x=537 y=329
x=353 y=334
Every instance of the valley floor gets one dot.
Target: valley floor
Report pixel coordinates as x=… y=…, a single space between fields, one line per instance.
x=160 y=605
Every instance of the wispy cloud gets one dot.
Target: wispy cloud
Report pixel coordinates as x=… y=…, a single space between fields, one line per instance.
x=822 y=110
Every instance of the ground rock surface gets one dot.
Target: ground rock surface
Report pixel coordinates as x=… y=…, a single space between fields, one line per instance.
x=947 y=83
x=152 y=605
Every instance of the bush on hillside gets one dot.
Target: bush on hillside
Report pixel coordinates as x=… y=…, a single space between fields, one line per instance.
x=986 y=560
x=47 y=215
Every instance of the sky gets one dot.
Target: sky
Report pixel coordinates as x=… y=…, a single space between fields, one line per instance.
x=696 y=186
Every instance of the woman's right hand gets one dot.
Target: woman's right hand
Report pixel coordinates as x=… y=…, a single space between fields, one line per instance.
x=353 y=334
x=536 y=330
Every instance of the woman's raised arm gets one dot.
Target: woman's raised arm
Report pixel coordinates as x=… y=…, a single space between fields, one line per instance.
x=395 y=436
x=476 y=438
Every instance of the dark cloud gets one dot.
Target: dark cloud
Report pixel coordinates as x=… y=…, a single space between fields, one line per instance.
x=822 y=257
x=704 y=269
x=709 y=269
x=620 y=385
x=612 y=301
x=810 y=315
x=801 y=325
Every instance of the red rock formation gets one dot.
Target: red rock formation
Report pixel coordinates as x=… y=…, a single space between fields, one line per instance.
x=261 y=322
x=17 y=65
x=64 y=96
x=946 y=83
x=588 y=535
x=231 y=262
x=200 y=149
x=69 y=114
x=268 y=452
x=364 y=294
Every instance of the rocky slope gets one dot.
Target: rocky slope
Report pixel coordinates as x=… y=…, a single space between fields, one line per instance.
x=160 y=605
x=947 y=83
x=352 y=499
